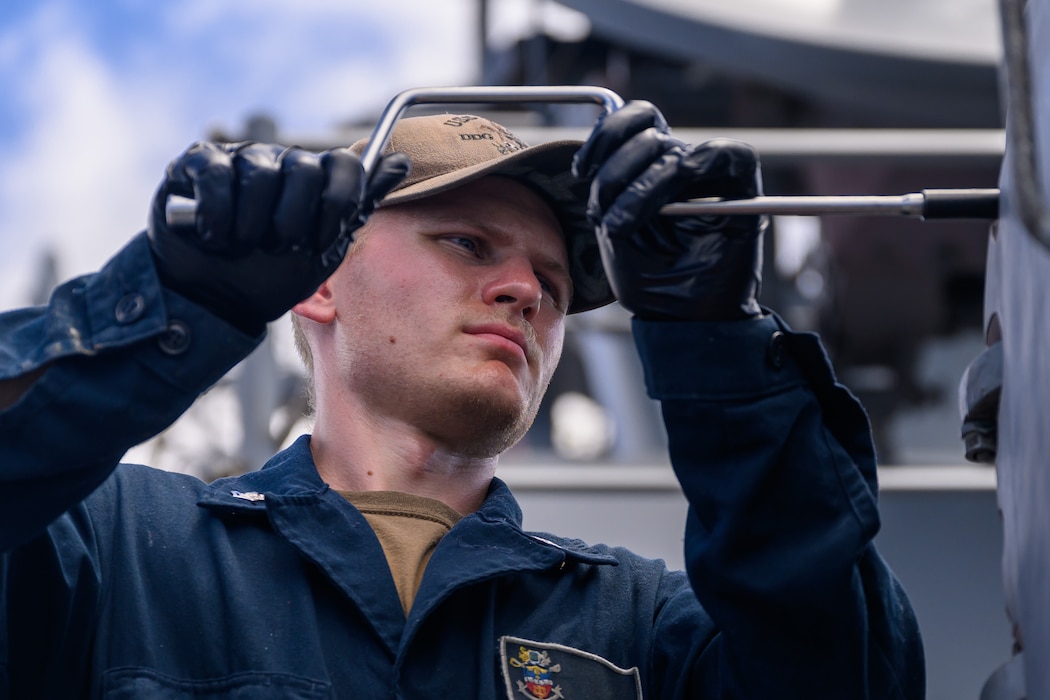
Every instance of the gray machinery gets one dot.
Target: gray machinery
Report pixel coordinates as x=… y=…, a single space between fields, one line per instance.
x=1004 y=392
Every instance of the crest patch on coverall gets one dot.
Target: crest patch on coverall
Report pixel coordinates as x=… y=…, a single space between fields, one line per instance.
x=548 y=671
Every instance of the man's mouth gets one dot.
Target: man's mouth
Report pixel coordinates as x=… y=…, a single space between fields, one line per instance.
x=500 y=334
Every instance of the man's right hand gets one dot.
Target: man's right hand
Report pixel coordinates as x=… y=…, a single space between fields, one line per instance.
x=272 y=224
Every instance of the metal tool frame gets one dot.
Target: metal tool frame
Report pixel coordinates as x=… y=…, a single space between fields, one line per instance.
x=976 y=203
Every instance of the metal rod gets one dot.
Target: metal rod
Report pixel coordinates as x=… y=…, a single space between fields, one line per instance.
x=981 y=204
x=928 y=204
x=906 y=205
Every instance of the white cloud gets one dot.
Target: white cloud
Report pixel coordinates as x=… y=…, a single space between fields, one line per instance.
x=422 y=46
x=282 y=52
x=80 y=174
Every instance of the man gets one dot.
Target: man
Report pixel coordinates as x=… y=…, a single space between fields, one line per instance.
x=380 y=556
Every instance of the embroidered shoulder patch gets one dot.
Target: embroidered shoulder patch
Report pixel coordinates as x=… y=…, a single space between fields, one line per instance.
x=548 y=671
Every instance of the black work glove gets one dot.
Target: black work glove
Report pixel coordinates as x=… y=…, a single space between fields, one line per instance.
x=672 y=267
x=272 y=224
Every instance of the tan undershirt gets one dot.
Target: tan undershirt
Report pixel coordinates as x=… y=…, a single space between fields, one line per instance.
x=409 y=528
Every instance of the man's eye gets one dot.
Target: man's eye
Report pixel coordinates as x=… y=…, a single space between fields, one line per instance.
x=464 y=242
x=550 y=290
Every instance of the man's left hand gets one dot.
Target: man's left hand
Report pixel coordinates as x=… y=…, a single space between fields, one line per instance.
x=672 y=267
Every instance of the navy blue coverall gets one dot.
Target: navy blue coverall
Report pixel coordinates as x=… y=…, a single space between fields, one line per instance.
x=130 y=582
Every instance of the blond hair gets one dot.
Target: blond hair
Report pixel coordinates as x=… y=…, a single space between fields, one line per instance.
x=306 y=356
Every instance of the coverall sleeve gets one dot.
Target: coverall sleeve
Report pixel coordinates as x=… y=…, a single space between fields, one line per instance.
x=123 y=359
x=776 y=461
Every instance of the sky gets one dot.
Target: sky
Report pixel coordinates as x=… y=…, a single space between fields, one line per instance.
x=98 y=97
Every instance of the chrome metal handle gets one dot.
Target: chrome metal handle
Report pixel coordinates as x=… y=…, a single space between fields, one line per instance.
x=496 y=95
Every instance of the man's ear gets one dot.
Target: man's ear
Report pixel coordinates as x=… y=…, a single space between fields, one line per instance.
x=319 y=306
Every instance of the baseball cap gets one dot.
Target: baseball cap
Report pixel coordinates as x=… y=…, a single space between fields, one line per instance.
x=449 y=150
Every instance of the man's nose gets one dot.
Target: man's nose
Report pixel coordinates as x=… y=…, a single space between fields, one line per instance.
x=515 y=284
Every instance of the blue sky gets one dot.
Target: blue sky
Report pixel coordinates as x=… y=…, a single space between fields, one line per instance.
x=98 y=97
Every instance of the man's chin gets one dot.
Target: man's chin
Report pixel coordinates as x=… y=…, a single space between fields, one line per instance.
x=489 y=425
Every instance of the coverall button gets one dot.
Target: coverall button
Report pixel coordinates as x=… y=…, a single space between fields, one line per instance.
x=775 y=351
x=175 y=339
x=129 y=309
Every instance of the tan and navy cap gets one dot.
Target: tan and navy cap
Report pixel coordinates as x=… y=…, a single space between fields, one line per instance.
x=450 y=150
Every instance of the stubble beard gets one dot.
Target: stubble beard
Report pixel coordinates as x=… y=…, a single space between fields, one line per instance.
x=471 y=416
x=489 y=427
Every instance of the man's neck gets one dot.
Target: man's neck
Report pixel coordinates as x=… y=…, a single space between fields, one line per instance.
x=365 y=453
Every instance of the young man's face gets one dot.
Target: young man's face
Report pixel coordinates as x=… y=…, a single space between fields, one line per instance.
x=450 y=314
